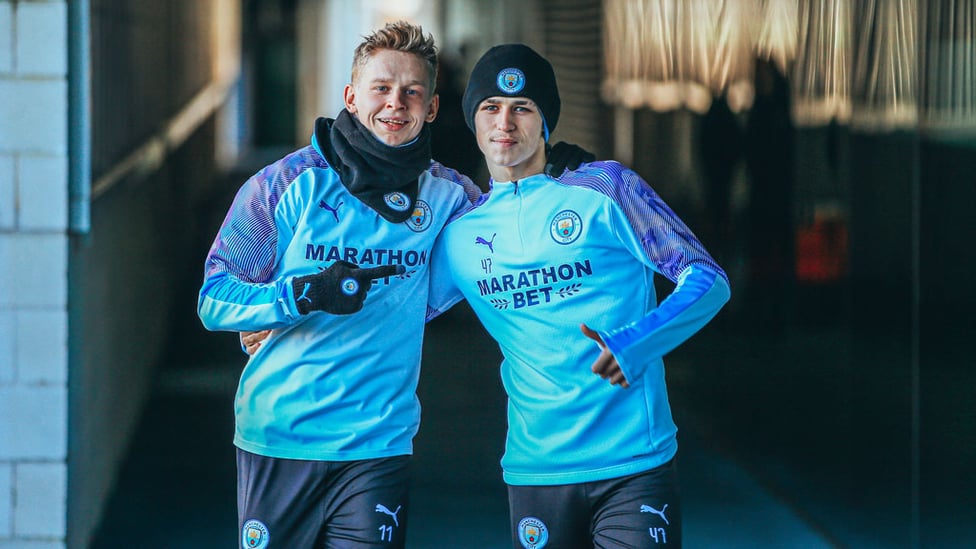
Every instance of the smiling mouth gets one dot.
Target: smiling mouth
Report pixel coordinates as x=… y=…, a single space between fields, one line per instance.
x=393 y=122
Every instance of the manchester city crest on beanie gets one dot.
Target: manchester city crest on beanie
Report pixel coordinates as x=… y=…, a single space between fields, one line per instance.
x=513 y=70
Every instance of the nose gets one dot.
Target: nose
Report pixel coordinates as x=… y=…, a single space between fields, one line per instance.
x=505 y=119
x=396 y=100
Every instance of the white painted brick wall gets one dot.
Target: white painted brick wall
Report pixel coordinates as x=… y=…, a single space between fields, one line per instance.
x=39 y=269
x=43 y=193
x=42 y=46
x=34 y=114
x=7 y=267
x=6 y=37
x=33 y=274
x=6 y=500
x=7 y=349
x=41 y=347
x=41 y=498
x=34 y=422
x=8 y=191
x=30 y=544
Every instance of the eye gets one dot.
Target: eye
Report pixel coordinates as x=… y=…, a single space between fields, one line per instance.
x=381 y=88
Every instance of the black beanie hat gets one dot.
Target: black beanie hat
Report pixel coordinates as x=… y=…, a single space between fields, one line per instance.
x=514 y=70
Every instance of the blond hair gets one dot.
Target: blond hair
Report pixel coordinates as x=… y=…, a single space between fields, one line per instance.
x=398 y=36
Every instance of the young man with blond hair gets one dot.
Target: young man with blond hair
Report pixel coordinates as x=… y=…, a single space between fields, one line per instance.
x=327 y=250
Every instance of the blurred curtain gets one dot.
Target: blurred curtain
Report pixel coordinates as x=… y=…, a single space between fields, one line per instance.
x=948 y=65
x=878 y=65
x=666 y=54
x=884 y=84
x=820 y=72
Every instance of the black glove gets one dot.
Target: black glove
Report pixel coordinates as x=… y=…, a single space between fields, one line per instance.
x=340 y=289
x=564 y=155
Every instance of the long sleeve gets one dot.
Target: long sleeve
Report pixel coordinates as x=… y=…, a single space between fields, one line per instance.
x=229 y=304
x=699 y=295
x=243 y=287
x=659 y=238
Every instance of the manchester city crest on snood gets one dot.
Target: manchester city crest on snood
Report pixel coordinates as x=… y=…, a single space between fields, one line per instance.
x=254 y=535
x=532 y=533
x=397 y=201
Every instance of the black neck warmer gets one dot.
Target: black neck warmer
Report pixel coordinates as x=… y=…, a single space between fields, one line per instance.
x=383 y=177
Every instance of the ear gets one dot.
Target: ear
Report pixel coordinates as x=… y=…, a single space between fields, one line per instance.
x=432 y=109
x=349 y=98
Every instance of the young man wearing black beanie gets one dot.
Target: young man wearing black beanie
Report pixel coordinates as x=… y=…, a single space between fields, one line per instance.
x=565 y=286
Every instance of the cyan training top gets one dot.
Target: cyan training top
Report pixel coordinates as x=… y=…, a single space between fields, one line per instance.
x=322 y=386
x=535 y=259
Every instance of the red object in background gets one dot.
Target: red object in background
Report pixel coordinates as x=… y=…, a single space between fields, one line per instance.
x=821 y=250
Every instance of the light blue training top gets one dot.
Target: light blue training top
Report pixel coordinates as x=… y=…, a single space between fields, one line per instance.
x=325 y=387
x=538 y=257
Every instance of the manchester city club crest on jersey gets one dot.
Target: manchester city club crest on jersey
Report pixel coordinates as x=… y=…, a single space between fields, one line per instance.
x=421 y=217
x=511 y=81
x=254 y=535
x=532 y=533
x=397 y=200
x=566 y=227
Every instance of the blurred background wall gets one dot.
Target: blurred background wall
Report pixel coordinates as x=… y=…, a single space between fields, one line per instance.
x=822 y=149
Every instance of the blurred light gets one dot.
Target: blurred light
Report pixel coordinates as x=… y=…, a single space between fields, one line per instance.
x=778 y=35
x=394 y=9
x=820 y=77
x=948 y=66
x=884 y=89
x=878 y=65
x=667 y=54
